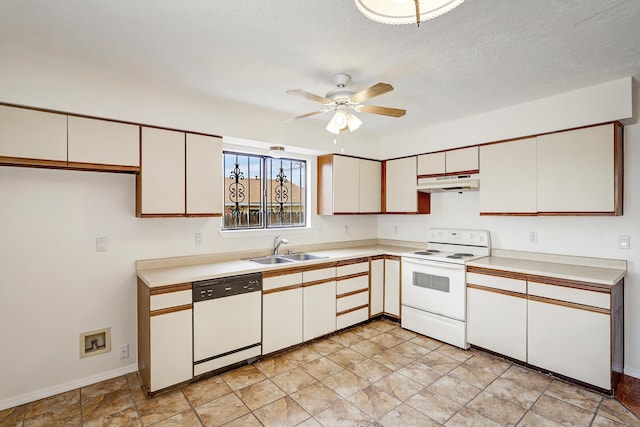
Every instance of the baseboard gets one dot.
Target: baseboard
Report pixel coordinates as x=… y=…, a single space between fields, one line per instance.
x=632 y=373
x=61 y=388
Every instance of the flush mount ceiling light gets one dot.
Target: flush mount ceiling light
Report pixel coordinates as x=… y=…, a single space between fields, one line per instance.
x=399 y=12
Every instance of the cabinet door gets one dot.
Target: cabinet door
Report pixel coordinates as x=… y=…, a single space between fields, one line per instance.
x=462 y=160
x=319 y=308
x=497 y=322
x=561 y=336
x=392 y=286
x=508 y=177
x=31 y=134
x=171 y=349
x=281 y=319
x=103 y=142
x=376 y=289
x=370 y=186
x=431 y=164
x=204 y=175
x=576 y=171
x=346 y=184
x=162 y=172
x=400 y=186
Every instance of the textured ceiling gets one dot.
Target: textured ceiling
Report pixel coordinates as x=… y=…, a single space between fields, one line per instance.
x=483 y=55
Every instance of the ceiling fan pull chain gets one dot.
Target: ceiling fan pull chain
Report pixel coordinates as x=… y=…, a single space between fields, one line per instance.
x=417 y=12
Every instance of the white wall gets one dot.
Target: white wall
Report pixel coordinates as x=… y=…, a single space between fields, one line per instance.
x=583 y=236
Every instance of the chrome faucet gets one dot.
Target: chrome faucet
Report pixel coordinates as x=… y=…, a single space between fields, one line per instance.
x=277 y=242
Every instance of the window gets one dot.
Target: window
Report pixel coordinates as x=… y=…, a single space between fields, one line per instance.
x=263 y=192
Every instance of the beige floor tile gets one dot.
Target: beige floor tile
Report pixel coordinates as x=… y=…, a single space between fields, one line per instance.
x=283 y=412
x=346 y=357
x=528 y=377
x=248 y=420
x=125 y=418
x=454 y=352
x=162 y=407
x=184 y=419
x=405 y=416
x=403 y=333
x=13 y=416
x=374 y=401
x=534 y=420
x=273 y=366
x=102 y=405
x=242 y=377
x=384 y=325
x=326 y=346
x=370 y=370
x=104 y=387
x=399 y=386
x=561 y=412
x=411 y=350
x=614 y=410
x=368 y=348
x=600 y=421
x=473 y=375
x=343 y=413
x=345 y=383
x=392 y=359
x=470 y=418
x=68 y=416
x=421 y=373
x=347 y=338
x=439 y=361
x=576 y=395
x=315 y=398
x=426 y=342
x=293 y=380
x=489 y=363
x=322 y=368
x=260 y=394
x=206 y=390
x=222 y=410
x=387 y=340
x=310 y=422
x=53 y=403
x=434 y=405
x=367 y=331
x=496 y=409
x=302 y=355
x=134 y=380
x=514 y=392
x=455 y=389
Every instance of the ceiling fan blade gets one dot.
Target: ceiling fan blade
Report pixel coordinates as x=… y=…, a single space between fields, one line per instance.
x=309 y=96
x=307 y=115
x=370 y=92
x=385 y=111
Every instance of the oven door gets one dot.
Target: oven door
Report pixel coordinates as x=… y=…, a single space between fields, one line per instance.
x=436 y=287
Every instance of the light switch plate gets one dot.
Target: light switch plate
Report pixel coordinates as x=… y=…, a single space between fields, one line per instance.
x=624 y=242
x=101 y=244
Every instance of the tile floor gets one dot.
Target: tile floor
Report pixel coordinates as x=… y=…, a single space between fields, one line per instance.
x=372 y=375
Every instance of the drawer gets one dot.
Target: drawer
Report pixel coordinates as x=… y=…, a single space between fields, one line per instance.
x=346 y=270
x=171 y=299
x=352 y=301
x=496 y=282
x=319 y=274
x=577 y=296
x=353 y=284
x=281 y=281
x=351 y=318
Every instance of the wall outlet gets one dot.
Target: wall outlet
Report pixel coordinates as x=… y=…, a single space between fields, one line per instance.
x=346 y=229
x=533 y=237
x=124 y=351
x=624 y=242
x=198 y=239
x=101 y=244
x=395 y=229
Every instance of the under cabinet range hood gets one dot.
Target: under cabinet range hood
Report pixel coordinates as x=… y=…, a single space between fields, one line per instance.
x=450 y=183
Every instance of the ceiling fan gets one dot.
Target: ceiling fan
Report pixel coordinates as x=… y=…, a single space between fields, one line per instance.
x=342 y=100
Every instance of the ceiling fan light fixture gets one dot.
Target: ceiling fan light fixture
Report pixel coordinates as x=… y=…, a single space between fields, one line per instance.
x=337 y=122
x=353 y=122
x=401 y=12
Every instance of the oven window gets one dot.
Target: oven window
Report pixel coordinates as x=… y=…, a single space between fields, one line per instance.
x=431 y=281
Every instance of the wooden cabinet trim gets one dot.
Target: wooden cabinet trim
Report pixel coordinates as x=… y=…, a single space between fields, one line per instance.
x=168 y=310
x=353 y=261
x=35 y=163
x=320 y=266
x=392 y=257
x=97 y=167
x=496 y=291
x=508 y=213
x=281 y=289
x=170 y=288
x=569 y=304
x=376 y=257
x=352 y=276
x=497 y=273
x=319 y=282
x=585 y=286
x=348 y=294
x=281 y=272
x=609 y=213
x=352 y=310
x=435 y=175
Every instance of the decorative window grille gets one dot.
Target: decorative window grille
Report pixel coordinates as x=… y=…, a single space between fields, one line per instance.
x=263 y=192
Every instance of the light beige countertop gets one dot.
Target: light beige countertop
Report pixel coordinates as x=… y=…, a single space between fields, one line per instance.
x=600 y=271
x=153 y=272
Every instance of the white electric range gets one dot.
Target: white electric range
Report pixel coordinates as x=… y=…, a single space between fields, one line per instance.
x=434 y=283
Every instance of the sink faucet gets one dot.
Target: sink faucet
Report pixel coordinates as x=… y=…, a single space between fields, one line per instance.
x=277 y=242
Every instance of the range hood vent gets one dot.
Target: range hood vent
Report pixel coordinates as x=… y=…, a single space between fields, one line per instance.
x=452 y=183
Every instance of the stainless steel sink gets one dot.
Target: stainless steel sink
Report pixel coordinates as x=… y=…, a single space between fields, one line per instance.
x=270 y=259
x=302 y=257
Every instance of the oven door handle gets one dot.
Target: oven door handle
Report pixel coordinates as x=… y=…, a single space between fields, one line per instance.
x=436 y=264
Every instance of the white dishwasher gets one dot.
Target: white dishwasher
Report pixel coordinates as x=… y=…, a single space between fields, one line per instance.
x=227 y=321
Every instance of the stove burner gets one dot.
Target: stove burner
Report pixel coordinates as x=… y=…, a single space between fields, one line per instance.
x=427 y=252
x=462 y=254
x=454 y=256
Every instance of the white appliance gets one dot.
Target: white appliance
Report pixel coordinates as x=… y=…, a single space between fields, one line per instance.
x=434 y=283
x=449 y=183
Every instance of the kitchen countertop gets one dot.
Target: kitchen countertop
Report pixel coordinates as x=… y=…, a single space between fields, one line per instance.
x=162 y=276
x=600 y=271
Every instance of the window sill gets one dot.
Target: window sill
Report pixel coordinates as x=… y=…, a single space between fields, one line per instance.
x=225 y=234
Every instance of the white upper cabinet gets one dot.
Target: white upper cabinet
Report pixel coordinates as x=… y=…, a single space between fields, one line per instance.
x=462 y=160
x=162 y=177
x=508 y=177
x=400 y=186
x=432 y=164
x=31 y=134
x=203 y=174
x=370 y=186
x=346 y=184
x=103 y=142
x=578 y=171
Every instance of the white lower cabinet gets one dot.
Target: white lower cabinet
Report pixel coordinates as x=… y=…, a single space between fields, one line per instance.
x=376 y=288
x=352 y=292
x=281 y=310
x=171 y=349
x=319 y=307
x=392 y=285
